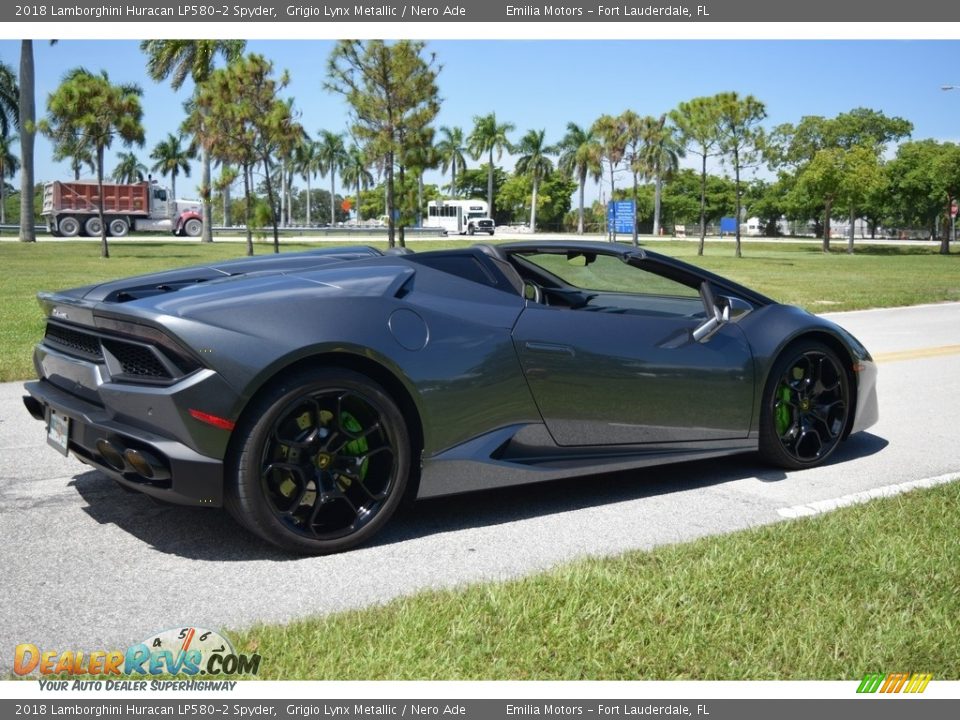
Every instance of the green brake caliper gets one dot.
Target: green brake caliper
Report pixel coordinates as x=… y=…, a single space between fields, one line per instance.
x=355 y=448
x=782 y=410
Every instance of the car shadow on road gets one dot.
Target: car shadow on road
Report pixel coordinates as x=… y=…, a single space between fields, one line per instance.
x=208 y=534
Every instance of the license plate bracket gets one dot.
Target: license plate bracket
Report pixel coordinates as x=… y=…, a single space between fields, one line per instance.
x=58 y=432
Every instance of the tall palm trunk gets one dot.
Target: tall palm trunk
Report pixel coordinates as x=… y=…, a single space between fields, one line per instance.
x=636 y=241
x=657 y=194
x=736 y=187
x=583 y=183
x=612 y=229
x=205 y=190
x=533 y=205
x=246 y=208
x=27 y=131
x=104 y=248
x=333 y=185
x=703 y=203
x=490 y=184
x=307 y=178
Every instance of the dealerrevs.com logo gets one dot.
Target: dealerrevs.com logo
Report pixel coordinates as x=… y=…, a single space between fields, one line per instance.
x=190 y=651
x=894 y=683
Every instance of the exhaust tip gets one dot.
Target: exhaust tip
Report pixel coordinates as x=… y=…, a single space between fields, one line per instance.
x=146 y=465
x=34 y=407
x=112 y=455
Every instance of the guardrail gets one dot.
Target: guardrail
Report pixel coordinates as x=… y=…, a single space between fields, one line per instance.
x=267 y=232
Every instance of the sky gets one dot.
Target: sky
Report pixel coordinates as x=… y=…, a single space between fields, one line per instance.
x=544 y=84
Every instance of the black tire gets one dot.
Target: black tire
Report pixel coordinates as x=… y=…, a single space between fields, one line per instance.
x=806 y=405
x=193 y=227
x=69 y=226
x=92 y=226
x=118 y=227
x=471 y=230
x=320 y=464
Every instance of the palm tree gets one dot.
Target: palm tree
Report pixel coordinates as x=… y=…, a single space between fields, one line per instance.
x=9 y=164
x=306 y=158
x=332 y=155
x=129 y=169
x=93 y=111
x=9 y=100
x=451 y=149
x=613 y=144
x=487 y=136
x=171 y=158
x=76 y=151
x=661 y=156
x=635 y=130
x=178 y=59
x=580 y=156
x=535 y=163
x=354 y=173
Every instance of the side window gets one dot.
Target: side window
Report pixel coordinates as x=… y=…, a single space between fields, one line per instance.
x=160 y=195
x=604 y=283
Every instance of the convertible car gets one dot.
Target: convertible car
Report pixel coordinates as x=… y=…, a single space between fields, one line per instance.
x=312 y=393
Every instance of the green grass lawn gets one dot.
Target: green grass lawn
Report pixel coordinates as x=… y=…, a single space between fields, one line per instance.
x=877 y=276
x=870 y=588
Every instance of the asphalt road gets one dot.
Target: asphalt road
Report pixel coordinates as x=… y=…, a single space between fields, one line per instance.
x=88 y=566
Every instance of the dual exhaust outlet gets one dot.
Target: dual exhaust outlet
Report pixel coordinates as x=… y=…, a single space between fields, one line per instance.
x=123 y=460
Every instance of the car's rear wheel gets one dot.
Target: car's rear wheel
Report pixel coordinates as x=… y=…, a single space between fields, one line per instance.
x=805 y=406
x=322 y=462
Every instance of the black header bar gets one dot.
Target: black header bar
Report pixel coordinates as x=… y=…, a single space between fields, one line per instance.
x=333 y=13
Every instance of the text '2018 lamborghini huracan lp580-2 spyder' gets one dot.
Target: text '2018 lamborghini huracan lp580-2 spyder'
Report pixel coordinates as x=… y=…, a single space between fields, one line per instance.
x=311 y=393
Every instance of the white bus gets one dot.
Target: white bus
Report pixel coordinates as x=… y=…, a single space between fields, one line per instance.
x=459 y=216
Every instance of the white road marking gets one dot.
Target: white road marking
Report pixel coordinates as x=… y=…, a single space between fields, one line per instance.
x=822 y=506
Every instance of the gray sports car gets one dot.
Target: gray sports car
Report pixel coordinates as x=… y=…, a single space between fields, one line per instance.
x=311 y=393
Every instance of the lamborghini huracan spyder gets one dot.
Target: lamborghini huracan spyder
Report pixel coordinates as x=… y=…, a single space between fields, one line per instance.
x=310 y=393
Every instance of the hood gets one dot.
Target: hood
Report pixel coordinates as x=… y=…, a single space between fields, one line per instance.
x=171 y=281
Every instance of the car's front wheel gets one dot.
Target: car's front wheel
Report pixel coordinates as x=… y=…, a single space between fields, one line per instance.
x=805 y=406
x=321 y=463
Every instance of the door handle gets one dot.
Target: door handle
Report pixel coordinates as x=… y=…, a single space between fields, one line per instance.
x=550 y=348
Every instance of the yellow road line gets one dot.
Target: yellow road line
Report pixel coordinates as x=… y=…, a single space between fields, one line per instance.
x=917 y=354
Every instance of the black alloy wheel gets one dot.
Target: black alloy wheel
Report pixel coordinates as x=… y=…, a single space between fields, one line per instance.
x=805 y=407
x=324 y=465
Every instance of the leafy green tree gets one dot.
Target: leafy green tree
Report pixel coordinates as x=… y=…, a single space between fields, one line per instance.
x=239 y=118
x=553 y=198
x=682 y=197
x=129 y=169
x=921 y=183
x=76 y=152
x=355 y=174
x=332 y=155
x=472 y=183
x=452 y=150
x=698 y=122
x=420 y=156
x=228 y=176
x=172 y=158
x=796 y=147
x=533 y=161
x=767 y=201
x=9 y=164
x=93 y=112
x=612 y=137
x=741 y=139
x=580 y=157
x=488 y=136
x=393 y=94
x=196 y=59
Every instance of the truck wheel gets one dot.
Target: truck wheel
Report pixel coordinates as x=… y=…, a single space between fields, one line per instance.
x=118 y=227
x=69 y=226
x=92 y=226
x=471 y=230
x=193 y=227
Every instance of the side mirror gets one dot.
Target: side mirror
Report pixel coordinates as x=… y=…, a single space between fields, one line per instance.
x=717 y=314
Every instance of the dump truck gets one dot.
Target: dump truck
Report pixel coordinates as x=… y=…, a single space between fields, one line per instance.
x=72 y=208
